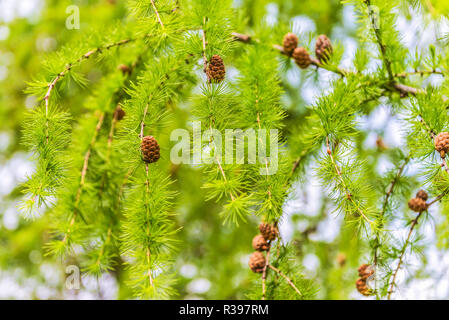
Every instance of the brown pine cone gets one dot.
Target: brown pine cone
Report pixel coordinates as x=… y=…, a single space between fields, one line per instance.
x=259 y=243
x=119 y=113
x=323 y=48
x=361 y=286
x=365 y=271
x=215 y=69
x=124 y=69
x=442 y=143
x=302 y=57
x=257 y=262
x=150 y=149
x=422 y=194
x=290 y=43
x=417 y=204
x=268 y=231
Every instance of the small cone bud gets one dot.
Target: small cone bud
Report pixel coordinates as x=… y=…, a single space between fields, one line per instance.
x=119 y=113
x=290 y=43
x=268 y=231
x=259 y=243
x=417 y=204
x=257 y=262
x=422 y=194
x=302 y=57
x=442 y=143
x=215 y=69
x=124 y=68
x=150 y=149
x=323 y=48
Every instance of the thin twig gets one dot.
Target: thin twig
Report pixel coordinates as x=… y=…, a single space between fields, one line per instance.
x=290 y=282
x=419 y=72
x=157 y=14
x=264 y=272
x=204 y=44
x=438 y=198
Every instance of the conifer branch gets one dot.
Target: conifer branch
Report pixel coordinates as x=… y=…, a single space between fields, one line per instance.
x=289 y=281
x=343 y=183
x=83 y=177
x=401 y=256
x=404 y=247
x=393 y=184
x=85 y=56
x=402 y=89
x=382 y=213
x=382 y=46
x=429 y=130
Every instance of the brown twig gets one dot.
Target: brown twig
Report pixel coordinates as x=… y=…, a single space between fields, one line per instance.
x=438 y=198
x=289 y=281
x=157 y=14
x=204 y=42
x=264 y=272
x=419 y=72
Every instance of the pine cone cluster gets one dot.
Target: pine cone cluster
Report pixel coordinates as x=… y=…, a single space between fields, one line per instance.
x=418 y=204
x=259 y=243
x=365 y=272
x=257 y=262
x=150 y=149
x=215 y=69
x=323 y=48
x=290 y=43
x=302 y=57
x=119 y=113
x=268 y=231
x=442 y=143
